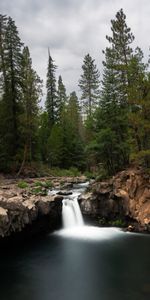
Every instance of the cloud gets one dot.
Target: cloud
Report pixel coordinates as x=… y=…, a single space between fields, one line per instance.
x=73 y=28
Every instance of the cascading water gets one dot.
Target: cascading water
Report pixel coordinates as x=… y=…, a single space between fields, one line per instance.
x=71 y=212
x=73 y=225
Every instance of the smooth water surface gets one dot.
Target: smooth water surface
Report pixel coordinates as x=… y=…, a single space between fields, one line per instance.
x=108 y=266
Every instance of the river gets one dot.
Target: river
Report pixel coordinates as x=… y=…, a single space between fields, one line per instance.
x=97 y=264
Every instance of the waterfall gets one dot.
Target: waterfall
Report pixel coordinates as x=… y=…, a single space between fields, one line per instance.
x=71 y=212
x=73 y=225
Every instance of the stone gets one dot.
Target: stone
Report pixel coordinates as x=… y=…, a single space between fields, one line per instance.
x=64 y=193
x=130 y=228
x=125 y=196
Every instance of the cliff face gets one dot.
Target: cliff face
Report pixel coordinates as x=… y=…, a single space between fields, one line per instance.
x=125 y=196
x=30 y=214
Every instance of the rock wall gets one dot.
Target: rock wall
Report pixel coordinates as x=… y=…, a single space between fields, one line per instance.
x=23 y=214
x=29 y=216
x=125 y=196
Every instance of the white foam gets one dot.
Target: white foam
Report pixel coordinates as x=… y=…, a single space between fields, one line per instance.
x=90 y=233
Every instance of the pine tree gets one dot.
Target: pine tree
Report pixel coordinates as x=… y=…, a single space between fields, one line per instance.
x=61 y=98
x=43 y=135
x=65 y=145
x=111 y=142
x=89 y=84
x=120 y=54
x=3 y=89
x=11 y=67
x=73 y=111
x=31 y=92
x=139 y=101
x=3 y=25
x=74 y=135
x=51 y=98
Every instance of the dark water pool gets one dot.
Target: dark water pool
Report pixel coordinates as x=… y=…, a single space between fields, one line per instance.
x=63 y=268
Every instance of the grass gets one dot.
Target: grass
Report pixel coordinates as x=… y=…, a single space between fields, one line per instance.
x=39 y=191
x=72 y=172
x=41 y=187
x=47 y=184
x=22 y=184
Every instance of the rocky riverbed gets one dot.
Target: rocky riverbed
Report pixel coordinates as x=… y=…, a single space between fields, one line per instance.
x=28 y=207
x=122 y=200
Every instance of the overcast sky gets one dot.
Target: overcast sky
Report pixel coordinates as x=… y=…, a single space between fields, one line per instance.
x=73 y=28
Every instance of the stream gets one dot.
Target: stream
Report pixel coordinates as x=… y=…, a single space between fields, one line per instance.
x=78 y=263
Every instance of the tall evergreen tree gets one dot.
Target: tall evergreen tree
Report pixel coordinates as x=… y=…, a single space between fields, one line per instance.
x=65 y=143
x=3 y=89
x=111 y=143
x=3 y=26
x=51 y=98
x=120 y=54
x=139 y=101
x=61 y=98
x=89 y=84
x=43 y=135
x=11 y=55
x=31 y=92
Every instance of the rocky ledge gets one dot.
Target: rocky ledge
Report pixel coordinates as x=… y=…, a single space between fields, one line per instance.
x=27 y=211
x=124 y=199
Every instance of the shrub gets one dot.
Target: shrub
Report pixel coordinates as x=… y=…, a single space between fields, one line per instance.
x=117 y=223
x=142 y=158
x=47 y=184
x=89 y=175
x=39 y=191
x=63 y=172
x=22 y=184
x=38 y=183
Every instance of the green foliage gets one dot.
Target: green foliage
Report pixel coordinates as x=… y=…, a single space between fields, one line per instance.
x=116 y=126
x=20 y=90
x=117 y=223
x=43 y=135
x=141 y=158
x=61 y=98
x=65 y=145
x=89 y=175
x=73 y=172
x=47 y=184
x=102 y=174
x=89 y=84
x=10 y=70
x=39 y=191
x=22 y=184
x=109 y=145
x=51 y=97
x=38 y=183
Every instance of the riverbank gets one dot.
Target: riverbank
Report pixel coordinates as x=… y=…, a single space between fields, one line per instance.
x=123 y=200
x=27 y=208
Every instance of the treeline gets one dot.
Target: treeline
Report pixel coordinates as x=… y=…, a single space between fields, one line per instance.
x=105 y=130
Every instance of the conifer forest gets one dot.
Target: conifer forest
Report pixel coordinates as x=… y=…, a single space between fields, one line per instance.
x=106 y=127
